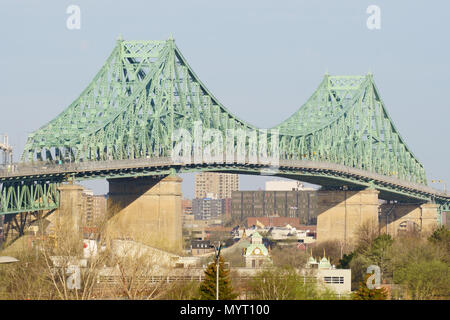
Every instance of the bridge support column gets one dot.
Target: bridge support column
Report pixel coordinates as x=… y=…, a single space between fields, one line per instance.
x=402 y=217
x=341 y=213
x=147 y=210
x=69 y=214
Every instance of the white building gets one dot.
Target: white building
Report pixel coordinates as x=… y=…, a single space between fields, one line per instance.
x=289 y=232
x=286 y=185
x=340 y=280
x=277 y=233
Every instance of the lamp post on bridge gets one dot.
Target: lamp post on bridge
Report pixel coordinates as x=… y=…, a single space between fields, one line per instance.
x=7 y=150
x=441 y=181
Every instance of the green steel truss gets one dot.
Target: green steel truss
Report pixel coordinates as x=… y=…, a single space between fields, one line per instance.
x=28 y=196
x=345 y=122
x=146 y=90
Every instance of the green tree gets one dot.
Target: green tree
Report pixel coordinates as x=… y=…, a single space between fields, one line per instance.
x=358 y=264
x=332 y=250
x=440 y=238
x=425 y=279
x=207 y=290
x=375 y=252
x=284 y=283
x=180 y=290
x=288 y=256
x=379 y=254
x=364 y=293
x=421 y=266
x=440 y=235
x=344 y=263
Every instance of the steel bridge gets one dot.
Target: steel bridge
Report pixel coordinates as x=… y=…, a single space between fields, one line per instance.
x=127 y=121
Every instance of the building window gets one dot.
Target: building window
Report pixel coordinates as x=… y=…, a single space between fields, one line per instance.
x=335 y=280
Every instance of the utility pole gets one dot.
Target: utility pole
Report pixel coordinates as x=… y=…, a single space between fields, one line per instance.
x=217 y=269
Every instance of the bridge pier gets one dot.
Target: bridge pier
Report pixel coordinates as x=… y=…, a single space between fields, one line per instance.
x=341 y=213
x=69 y=213
x=147 y=210
x=401 y=217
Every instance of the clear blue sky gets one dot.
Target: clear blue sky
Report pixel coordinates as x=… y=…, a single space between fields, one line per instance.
x=261 y=59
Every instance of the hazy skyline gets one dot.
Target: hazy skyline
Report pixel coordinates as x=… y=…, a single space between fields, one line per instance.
x=261 y=59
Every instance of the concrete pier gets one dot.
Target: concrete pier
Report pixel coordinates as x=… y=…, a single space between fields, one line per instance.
x=147 y=210
x=341 y=213
x=400 y=217
x=70 y=211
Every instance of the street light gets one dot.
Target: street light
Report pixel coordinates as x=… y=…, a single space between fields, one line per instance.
x=441 y=181
x=217 y=249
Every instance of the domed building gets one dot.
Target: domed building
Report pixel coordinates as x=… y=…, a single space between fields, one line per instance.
x=256 y=254
x=323 y=263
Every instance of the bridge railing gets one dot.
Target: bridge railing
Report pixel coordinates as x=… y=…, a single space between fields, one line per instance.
x=55 y=167
x=40 y=168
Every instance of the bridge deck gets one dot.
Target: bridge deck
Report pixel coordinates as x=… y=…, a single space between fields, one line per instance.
x=315 y=170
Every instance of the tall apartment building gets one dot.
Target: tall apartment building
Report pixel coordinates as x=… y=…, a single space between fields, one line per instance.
x=207 y=208
x=94 y=210
x=186 y=206
x=221 y=185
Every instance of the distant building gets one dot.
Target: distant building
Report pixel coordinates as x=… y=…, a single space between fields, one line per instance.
x=304 y=234
x=292 y=204
x=227 y=207
x=199 y=247
x=94 y=208
x=219 y=184
x=339 y=280
x=186 y=206
x=198 y=233
x=188 y=228
x=202 y=229
x=291 y=233
x=256 y=254
x=187 y=218
x=286 y=185
x=207 y=208
x=274 y=222
x=100 y=207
